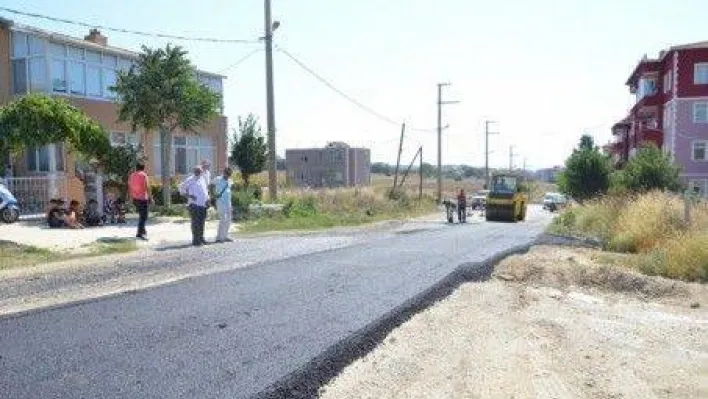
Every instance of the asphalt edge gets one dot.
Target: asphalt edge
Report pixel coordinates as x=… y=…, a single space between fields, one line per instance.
x=306 y=381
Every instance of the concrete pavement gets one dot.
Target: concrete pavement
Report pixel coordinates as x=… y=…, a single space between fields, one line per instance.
x=233 y=333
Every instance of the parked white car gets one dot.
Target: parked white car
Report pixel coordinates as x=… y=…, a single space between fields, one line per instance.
x=554 y=201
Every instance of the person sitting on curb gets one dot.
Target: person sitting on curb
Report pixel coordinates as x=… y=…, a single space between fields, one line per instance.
x=55 y=214
x=71 y=219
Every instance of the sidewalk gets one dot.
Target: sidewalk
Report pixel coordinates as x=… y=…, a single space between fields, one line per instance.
x=161 y=231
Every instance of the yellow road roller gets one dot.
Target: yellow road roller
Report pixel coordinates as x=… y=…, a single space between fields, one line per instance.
x=508 y=198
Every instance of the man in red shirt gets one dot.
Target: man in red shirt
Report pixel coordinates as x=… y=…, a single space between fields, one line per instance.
x=140 y=191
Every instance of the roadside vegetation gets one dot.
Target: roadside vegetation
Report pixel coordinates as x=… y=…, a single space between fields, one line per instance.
x=14 y=255
x=637 y=210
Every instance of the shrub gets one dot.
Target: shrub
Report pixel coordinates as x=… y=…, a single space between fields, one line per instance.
x=684 y=257
x=179 y=210
x=176 y=197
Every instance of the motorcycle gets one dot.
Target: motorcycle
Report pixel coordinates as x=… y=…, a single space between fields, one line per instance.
x=10 y=211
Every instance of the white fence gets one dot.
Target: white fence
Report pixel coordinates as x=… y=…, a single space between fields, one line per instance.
x=33 y=193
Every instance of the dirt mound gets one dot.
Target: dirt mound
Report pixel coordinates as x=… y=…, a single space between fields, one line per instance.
x=563 y=267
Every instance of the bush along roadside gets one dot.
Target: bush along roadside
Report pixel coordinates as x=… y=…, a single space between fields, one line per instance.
x=650 y=225
x=307 y=210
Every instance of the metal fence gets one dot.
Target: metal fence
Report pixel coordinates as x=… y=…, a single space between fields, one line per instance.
x=33 y=193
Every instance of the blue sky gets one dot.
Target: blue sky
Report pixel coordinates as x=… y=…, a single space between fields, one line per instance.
x=547 y=70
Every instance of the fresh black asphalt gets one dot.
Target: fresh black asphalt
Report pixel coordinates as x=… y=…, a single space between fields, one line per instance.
x=233 y=334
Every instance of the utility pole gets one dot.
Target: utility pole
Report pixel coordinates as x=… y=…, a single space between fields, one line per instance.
x=398 y=160
x=440 y=104
x=272 y=159
x=511 y=157
x=486 y=150
x=420 y=174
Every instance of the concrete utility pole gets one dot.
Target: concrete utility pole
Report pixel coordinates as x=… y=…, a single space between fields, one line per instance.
x=486 y=150
x=440 y=104
x=511 y=157
x=420 y=174
x=272 y=158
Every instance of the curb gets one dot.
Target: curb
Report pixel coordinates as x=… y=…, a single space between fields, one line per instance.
x=306 y=381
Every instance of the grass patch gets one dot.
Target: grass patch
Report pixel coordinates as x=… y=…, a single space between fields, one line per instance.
x=14 y=255
x=650 y=225
x=17 y=255
x=312 y=210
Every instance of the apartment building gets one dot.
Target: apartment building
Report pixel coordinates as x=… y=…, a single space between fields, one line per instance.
x=81 y=71
x=548 y=175
x=671 y=110
x=335 y=165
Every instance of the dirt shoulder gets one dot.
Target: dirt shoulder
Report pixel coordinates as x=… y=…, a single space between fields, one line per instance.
x=554 y=323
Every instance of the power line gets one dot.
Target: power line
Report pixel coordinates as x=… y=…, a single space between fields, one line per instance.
x=121 y=30
x=241 y=60
x=343 y=94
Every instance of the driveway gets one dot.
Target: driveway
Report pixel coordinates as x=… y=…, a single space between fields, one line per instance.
x=234 y=333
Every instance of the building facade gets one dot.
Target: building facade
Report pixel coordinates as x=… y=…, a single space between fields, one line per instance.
x=81 y=71
x=548 y=175
x=671 y=110
x=335 y=165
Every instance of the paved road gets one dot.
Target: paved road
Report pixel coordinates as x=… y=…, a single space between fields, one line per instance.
x=232 y=334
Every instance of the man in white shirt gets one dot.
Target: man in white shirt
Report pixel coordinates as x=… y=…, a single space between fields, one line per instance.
x=222 y=196
x=195 y=188
x=206 y=171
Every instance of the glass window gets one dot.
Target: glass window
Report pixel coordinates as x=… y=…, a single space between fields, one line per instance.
x=43 y=158
x=699 y=151
x=93 y=81
x=58 y=71
x=31 y=157
x=77 y=78
x=193 y=140
x=36 y=45
x=57 y=50
x=38 y=74
x=109 y=80
x=701 y=74
x=700 y=112
x=19 y=76
x=157 y=157
x=110 y=60
x=192 y=157
x=667 y=82
x=124 y=64
x=179 y=140
x=76 y=53
x=206 y=153
x=19 y=44
x=59 y=157
x=180 y=160
x=93 y=56
x=205 y=141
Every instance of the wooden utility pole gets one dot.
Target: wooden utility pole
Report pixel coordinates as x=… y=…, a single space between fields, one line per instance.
x=420 y=173
x=403 y=180
x=398 y=159
x=270 y=106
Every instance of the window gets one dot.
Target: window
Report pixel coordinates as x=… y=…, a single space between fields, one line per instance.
x=109 y=80
x=698 y=150
x=700 y=74
x=37 y=74
x=667 y=118
x=93 y=81
x=697 y=186
x=77 y=78
x=19 y=45
x=58 y=71
x=36 y=45
x=187 y=151
x=700 y=112
x=19 y=76
x=667 y=82
x=48 y=158
x=123 y=138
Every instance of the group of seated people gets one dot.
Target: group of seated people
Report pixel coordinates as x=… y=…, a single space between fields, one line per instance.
x=73 y=217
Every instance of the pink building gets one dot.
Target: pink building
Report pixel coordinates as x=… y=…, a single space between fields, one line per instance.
x=671 y=110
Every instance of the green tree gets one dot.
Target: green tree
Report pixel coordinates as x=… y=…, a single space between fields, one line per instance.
x=649 y=169
x=36 y=119
x=249 y=149
x=122 y=161
x=161 y=92
x=587 y=171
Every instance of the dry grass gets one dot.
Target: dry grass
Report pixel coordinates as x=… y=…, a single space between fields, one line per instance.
x=652 y=225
